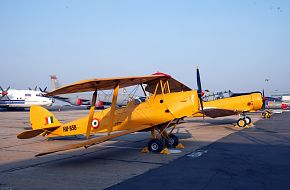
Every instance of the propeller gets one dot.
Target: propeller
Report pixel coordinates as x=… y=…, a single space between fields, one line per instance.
x=264 y=100
x=4 y=92
x=199 y=90
x=35 y=88
x=43 y=90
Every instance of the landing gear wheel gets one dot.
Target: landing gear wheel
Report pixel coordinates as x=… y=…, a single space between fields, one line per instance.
x=172 y=141
x=267 y=114
x=248 y=120
x=241 y=122
x=155 y=145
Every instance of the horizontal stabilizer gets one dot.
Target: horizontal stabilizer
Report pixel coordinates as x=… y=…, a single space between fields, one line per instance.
x=30 y=134
x=94 y=141
x=33 y=133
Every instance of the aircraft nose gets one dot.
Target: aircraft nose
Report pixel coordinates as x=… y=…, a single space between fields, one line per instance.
x=196 y=102
x=257 y=101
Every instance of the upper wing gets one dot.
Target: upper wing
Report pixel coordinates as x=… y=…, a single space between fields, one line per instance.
x=94 y=141
x=108 y=83
x=218 y=112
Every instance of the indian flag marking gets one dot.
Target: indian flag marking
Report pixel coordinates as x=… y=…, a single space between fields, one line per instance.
x=95 y=123
x=49 y=120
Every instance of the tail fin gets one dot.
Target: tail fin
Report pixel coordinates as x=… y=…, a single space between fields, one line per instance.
x=54 y=82
x=41 y=118
x=42 y=122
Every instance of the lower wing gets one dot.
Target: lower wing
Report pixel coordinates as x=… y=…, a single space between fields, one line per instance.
x=93 y=141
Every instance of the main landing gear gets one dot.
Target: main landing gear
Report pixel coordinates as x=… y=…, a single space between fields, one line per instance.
x=159 y=143
x=244 y=121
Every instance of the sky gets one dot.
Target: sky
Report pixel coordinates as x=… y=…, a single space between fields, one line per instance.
x=236 y=44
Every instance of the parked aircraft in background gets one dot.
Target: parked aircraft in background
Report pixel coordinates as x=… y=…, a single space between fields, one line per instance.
x=12 y=98
x=282 y=96
x=81 y=99
x=275 y=103
x=219 y=105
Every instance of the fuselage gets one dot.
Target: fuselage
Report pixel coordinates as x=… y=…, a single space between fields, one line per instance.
x=155 y=110
x=24 y=99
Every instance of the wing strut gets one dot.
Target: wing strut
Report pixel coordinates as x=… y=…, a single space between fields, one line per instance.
x=91 y=114
x=113 y=108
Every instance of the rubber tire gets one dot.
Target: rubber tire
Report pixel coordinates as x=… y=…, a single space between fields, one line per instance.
x=267 y=115
x=241 y=122
x=248 y=120
x=155 y=145
x=172 y=142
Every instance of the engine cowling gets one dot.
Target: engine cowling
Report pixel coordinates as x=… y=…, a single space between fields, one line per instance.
x=284 y=106
x=100 y=104
x=79 y=102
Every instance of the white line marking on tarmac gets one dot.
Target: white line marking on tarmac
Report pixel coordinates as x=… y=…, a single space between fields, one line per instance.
x=174 y=151
x=124 y=147
x=197 y=153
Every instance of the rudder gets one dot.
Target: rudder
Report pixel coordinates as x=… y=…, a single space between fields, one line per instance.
x=41 y=118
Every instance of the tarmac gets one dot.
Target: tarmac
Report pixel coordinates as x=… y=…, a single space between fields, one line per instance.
x=217 y=155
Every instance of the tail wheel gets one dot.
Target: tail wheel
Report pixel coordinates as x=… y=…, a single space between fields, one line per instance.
x=241 y=122
x=267 y=114
x=172 y=141
x=248 y=120
x=155 y=145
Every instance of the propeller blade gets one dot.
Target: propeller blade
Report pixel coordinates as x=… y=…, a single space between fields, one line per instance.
x=264 y=101
x=35 y=88
x=43 y=90
x=199 y=90
x=4 y=92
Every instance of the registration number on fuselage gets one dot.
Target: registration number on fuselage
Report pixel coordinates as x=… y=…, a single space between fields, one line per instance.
x=69 y=128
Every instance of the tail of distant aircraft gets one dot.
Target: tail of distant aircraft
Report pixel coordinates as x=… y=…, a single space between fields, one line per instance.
x=42 y=121
x=54 y=82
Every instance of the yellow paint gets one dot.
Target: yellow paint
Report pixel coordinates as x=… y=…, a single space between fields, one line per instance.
x=145 y=150
x=91 y=115
x=165 y=151
x=180 y=146
x=113 y=109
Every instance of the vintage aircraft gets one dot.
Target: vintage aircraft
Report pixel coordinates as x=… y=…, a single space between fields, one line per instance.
x=235 y=104
x=169 y=102
x=81 y=99
x=20 y=99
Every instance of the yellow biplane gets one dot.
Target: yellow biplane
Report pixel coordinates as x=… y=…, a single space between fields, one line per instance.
x=169 y=102
x=235 y=104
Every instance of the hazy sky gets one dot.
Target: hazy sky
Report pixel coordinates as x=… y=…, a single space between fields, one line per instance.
x=236 y=44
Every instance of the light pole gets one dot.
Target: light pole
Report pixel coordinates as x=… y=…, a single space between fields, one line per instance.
x=266 y=82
